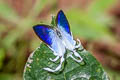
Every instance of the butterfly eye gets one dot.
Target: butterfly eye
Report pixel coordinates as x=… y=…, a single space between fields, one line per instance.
x=59 y=34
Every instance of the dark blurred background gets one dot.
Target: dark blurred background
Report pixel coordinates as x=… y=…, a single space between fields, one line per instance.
x=95 y=22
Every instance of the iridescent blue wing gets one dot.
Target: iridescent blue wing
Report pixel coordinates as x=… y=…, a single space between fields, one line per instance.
x=44 y=33
x=48 y=36
x=63 y=26
x=62 y=22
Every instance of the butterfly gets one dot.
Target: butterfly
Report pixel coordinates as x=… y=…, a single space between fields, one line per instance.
x=58 y=39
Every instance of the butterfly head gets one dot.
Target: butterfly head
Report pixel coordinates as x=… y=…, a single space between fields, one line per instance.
x=59 y=34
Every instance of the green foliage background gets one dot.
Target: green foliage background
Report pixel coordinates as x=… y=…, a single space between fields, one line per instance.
x=17 y=39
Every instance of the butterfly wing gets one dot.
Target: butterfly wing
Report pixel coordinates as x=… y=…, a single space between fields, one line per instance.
x=48 y=35
x=63 y=25
x=62 y=22
x=44 y=33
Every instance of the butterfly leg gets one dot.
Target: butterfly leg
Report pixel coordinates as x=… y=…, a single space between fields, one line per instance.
x=77 y=55
x=58 y=68
x=73 y=58
x=54 y=60
x=79 y=44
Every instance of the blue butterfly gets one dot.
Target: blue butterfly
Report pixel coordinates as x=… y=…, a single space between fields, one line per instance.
x=58 y=39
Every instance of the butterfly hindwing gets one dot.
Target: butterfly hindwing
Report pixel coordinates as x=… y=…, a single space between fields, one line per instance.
x=62 y=22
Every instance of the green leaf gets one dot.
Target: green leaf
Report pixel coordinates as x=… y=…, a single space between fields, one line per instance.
x=53 y=22
x=89 y=69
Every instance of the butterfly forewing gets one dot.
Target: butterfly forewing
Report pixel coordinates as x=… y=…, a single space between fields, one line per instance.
x=49 y=36
x=44 y=33
x=62 y=22
x=63 y=26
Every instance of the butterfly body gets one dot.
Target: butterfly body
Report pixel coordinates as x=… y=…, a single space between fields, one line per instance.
x=58 y=39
